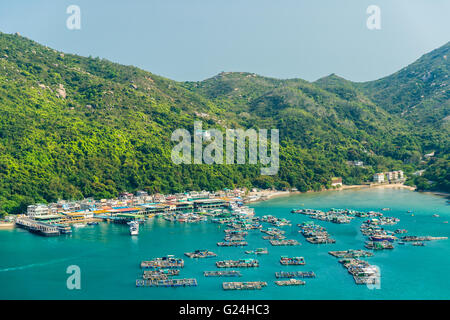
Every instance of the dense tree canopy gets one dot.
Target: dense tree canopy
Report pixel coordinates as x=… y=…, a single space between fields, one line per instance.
x=72 y=127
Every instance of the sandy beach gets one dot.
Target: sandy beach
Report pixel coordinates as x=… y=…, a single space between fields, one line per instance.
x=380 y=186
x=6 y=225
x=270 y=194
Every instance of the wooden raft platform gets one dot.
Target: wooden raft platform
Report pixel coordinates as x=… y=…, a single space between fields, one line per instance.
x=167 y=283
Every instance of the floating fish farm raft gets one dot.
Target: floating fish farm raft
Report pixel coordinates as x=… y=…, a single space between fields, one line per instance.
x=369 y=230
x=200 y=254
x=230 y=273
x=167 y=283
x=362 y=271
x=169 y=262
x=235 y=237
x=351 y=253
x=257 y=251
x=242 y=263
x=273 y=231
x=275 y=221
x=294 y=261
x=234 y=231
x=382 y=237
x=160 y=271
x=284 y=242
x=419 y=238
x=233 y=244
x=274 y=237
x=379 y=245
x=290 y=282
x=251 y=285
x=273 y=234
x=161 y=274
x=383 y=221
x=315 y=234
x=295 y=274
x=335 y=216
x=320 y=239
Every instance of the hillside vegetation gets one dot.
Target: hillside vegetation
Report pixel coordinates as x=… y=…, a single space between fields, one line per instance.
x=73 y=127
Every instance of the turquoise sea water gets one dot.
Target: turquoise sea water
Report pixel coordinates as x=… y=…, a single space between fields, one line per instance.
x=34 y=267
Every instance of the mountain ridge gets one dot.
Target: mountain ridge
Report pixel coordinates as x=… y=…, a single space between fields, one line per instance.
x=74 y=127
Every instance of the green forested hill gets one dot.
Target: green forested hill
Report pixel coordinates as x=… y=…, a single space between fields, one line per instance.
x=420 y=92
x=72 y=127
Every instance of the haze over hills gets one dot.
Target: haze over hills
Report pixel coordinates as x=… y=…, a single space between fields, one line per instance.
x=420 y=92
x=73 y=127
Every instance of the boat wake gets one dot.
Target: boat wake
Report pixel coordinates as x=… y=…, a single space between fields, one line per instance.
x=33 y=265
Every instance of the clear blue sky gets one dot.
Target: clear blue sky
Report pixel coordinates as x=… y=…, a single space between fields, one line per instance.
x=196 y=39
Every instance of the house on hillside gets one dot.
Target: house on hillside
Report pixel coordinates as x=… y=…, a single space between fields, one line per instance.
x=378 y=177
x=336 y=182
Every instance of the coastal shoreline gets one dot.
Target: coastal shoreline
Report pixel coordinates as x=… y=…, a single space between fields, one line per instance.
x=7 y=225
x=378 y=186
x=267 y=195
x=437 y=193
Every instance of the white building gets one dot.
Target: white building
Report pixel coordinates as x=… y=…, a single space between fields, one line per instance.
x=394 y=175
x=378 y=177
x=356 y=163
x=391 y=175
x=35 y=210
x=141 y=194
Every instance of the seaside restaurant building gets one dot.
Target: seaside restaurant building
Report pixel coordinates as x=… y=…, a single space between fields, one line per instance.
x=202 y=204
x=49 y=218
x=121 y=214
x=77 y=216
x=195 y=205
x=154 y=208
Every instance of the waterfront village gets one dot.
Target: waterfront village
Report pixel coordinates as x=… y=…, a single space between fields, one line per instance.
x=56 y=218
x=227 y=208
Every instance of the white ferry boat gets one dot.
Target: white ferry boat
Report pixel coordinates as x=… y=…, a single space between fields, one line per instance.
x=134 y=228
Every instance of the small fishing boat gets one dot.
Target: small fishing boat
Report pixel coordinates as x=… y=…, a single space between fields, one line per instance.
x=92 y=223
x=436 y=215
x=418 y=244
x=79 y=225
